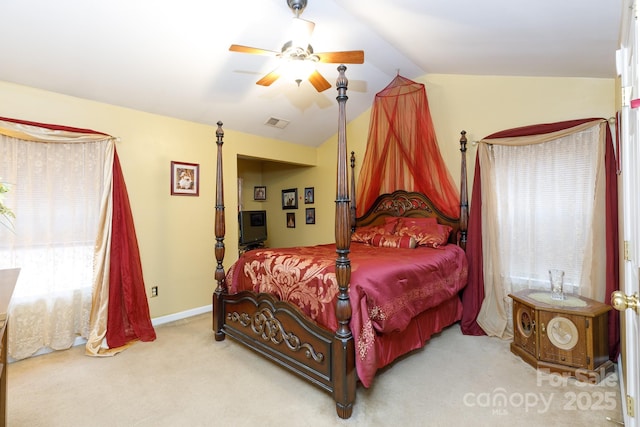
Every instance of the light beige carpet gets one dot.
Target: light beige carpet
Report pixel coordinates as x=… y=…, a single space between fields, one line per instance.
x=186 y=378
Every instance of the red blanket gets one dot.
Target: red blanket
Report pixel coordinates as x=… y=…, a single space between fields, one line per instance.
x=389 y=286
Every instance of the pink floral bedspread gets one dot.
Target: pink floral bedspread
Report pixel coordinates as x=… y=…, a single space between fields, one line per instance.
x=389 y=286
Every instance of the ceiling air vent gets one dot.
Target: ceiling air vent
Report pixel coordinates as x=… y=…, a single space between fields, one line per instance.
x=276 y=123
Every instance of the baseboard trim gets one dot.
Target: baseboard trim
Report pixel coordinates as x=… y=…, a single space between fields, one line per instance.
x=623 y=393
x=181 y=315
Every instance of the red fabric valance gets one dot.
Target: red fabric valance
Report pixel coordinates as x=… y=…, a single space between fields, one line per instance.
x=52 y=127
x=538 y=129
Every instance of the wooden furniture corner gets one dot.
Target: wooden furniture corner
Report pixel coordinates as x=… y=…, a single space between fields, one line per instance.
x=8 y=279
x=568 y=337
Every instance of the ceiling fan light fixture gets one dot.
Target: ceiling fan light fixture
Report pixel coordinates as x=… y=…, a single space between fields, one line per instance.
x=298 y=69
x=297 y=58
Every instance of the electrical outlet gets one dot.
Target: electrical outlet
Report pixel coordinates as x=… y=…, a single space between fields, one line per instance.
x=154 y=291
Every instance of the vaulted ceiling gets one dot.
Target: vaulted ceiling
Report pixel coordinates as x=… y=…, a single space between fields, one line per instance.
x=172 y=57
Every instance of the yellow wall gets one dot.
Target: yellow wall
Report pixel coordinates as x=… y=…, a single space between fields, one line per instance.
x=483 y=105
x=176 y=233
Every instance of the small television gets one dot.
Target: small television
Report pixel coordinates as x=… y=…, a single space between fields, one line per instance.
x=253 y=227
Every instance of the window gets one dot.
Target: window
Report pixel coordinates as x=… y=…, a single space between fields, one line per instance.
x=56 y=191
x=543 y=206
x=545 y=196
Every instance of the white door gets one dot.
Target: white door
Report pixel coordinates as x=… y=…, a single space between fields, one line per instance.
x=628 y=61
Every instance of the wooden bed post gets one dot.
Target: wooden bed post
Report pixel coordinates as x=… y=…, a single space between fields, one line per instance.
x=344 y=392
x=353 y=192
x=221 y=289
x=464 y=203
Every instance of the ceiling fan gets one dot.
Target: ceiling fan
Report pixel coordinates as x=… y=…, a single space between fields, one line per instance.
x=298 y=55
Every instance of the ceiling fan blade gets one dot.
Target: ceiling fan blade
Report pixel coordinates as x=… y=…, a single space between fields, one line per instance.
x=319 y=82
x=345 y=57
x=269 y=78
x=252 y=50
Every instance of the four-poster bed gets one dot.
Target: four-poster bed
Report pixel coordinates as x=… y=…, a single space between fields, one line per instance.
x=358 y=323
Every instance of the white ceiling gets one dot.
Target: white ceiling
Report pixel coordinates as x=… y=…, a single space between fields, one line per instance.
x=171 y=57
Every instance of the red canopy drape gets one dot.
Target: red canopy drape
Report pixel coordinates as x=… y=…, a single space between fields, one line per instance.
x=474 y=292
x=402 y=150
x=128 y=317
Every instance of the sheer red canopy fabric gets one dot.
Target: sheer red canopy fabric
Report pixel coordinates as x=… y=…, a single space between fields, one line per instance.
x=402 y=150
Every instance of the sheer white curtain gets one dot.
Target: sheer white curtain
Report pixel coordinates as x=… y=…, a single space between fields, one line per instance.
x=543 y=208
x=56 y=194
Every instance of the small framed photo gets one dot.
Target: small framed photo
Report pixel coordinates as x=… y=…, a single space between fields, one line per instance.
x=308 y=195
x=185 y=179
x=290 y=198
x=291 y=220
x=310 y=215
x=260 y=193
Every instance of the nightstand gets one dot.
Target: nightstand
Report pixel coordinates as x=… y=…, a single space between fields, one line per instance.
x=569 y=337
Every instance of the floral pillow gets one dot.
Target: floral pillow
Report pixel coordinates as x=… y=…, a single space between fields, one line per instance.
x=426 y=231
x=366 y=233
x=393 y=241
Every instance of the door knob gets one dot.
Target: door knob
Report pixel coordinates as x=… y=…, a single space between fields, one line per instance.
x=621 y=302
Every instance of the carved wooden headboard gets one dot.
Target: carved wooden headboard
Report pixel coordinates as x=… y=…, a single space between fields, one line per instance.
x=402 y=203
x=407 y=204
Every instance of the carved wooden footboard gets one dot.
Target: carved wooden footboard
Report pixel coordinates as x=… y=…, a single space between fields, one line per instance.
x=282 y=334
